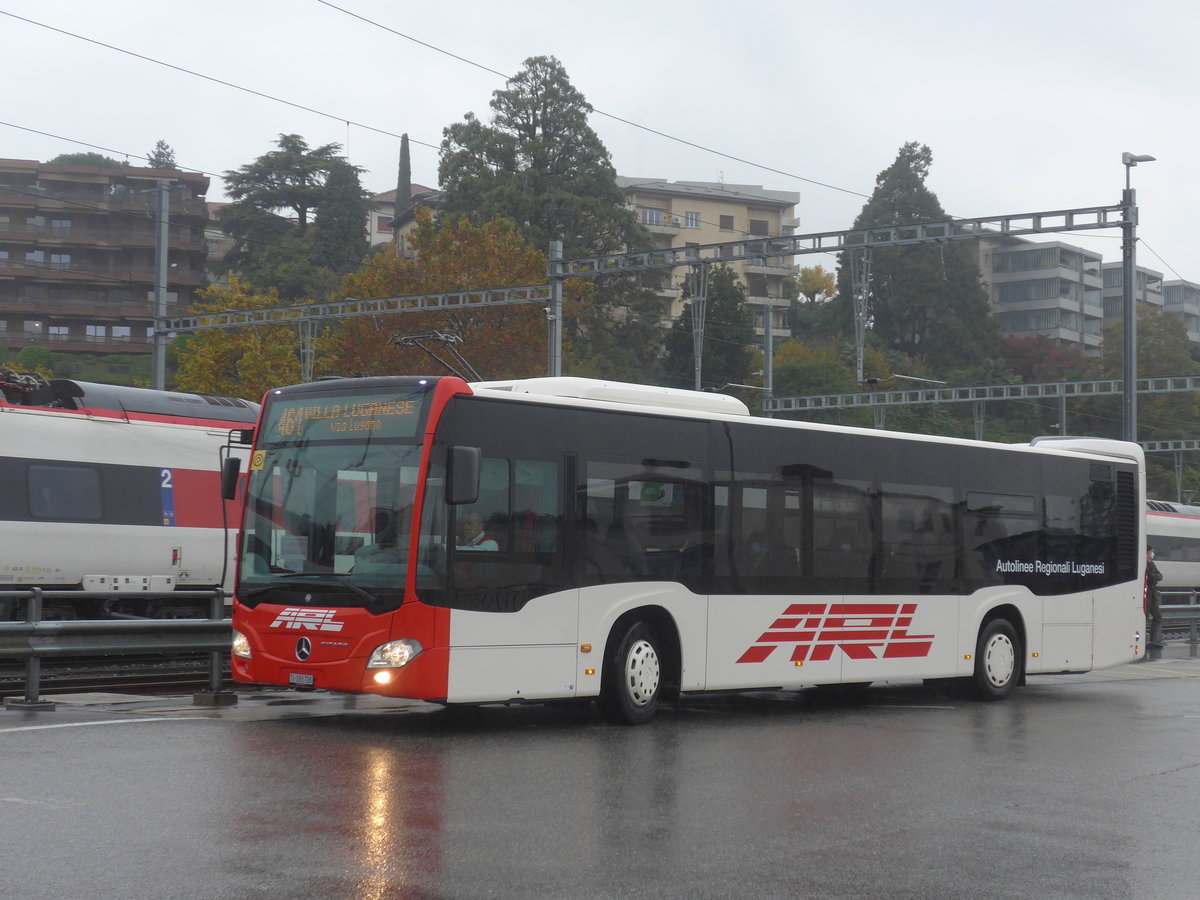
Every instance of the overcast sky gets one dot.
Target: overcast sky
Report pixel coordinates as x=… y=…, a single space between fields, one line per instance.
x=1027 y=106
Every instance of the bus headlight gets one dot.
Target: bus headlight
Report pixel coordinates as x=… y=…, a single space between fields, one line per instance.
x=394 y=654
x=240 y=646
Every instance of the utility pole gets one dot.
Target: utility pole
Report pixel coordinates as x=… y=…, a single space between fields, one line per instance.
x=160 y=285
x=860 y=278
x=1129 y=299
x=554 y=313
x=697 y=284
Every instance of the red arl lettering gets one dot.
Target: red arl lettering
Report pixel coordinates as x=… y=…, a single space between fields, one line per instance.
x=861 y=630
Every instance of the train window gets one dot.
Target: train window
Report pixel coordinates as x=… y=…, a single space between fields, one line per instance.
x=70 y=493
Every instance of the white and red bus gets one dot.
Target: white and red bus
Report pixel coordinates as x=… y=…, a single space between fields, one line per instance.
x=115 y=490
x=639 y=542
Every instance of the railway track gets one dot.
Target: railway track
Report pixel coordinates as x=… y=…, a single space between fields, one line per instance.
x=131 y=675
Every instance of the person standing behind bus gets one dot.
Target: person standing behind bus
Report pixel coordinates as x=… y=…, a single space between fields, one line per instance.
x=1153 y=601
x=472 y=536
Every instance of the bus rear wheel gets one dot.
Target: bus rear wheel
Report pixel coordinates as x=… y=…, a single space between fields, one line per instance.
x=633 y=676
x=998 y=658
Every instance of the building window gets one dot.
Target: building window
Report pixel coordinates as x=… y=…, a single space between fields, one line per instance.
x=121 y=332
x=60 y=226
x=3 y=255
x=383 y=223
x=759 y=227
x=35 y=256
x=35 y=221
x=691 y=220
x=57 y=332
x=33 y=326
x=652 y=217
x=96 y=332
x=727 y=223
x=60 y=260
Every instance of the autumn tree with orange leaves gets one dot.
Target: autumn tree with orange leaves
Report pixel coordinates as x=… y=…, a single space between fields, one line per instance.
x=237 y=362
x=499 y=342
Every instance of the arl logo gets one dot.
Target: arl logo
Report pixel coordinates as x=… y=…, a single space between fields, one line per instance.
x=861 y=630
x=299 y=617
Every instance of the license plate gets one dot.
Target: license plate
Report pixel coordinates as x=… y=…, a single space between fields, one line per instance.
x=300 y=680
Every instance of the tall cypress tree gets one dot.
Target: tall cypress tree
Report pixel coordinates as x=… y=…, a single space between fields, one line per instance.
x=403 y=179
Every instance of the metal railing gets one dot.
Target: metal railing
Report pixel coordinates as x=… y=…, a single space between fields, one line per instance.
x=1182 y=606
x=36 y=639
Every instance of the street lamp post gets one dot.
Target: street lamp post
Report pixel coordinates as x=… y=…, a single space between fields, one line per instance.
x=1128 y=301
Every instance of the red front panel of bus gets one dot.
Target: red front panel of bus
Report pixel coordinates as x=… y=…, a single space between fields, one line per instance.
x=327 y=648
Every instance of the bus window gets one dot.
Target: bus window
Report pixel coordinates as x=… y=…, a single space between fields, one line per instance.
x=918 y=527
x=843 y=533
x=1001 y=534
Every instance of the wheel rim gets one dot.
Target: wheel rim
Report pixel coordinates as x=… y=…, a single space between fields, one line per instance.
x=642 y=671
x=999 y=660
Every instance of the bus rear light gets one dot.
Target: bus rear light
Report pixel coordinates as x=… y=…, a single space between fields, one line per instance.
x=395 y=654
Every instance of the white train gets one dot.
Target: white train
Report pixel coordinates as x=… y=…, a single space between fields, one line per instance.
x=1173 y=530
x=114 y=489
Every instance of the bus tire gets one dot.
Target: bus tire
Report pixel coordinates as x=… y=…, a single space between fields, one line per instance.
x=998 y=657
x=632 y=681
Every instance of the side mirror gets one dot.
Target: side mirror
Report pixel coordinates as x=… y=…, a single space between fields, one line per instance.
x=230 y=470
x=462 y=481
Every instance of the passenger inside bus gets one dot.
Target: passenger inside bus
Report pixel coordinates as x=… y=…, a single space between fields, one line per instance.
x=471 y=535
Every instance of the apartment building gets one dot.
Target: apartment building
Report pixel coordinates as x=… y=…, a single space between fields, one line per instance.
x=686 y=213
x=1182 y=298
x=1052 y=289
x=387 y=223
x=1147 y=290
x=77 y=254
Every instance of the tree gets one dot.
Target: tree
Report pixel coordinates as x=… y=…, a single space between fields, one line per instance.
x=925 y=299
x=815 y=284
x=540 y=164
x=500 y=342
x=161 y=157
x=341 y=222
x=403 y=179
x=240 y=362
x=728 y=336
x=87 y=159
x=276 y=199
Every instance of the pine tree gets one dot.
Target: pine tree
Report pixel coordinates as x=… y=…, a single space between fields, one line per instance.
x=341 y=220
x=541 y=165
x=925 y=299
x=161 y=157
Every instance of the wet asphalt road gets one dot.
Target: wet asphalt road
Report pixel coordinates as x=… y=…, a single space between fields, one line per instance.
x=1083 y=786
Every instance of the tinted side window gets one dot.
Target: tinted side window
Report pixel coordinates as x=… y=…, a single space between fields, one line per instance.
x=65 y=492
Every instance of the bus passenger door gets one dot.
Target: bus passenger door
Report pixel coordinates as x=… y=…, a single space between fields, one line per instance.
x=513 y=620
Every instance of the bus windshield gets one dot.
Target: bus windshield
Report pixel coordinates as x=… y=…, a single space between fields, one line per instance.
x=329 y=506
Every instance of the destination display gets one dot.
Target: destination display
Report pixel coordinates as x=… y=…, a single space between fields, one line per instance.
x=329 y=418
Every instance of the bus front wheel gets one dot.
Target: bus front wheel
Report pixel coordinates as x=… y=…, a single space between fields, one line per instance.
x=998 y=657
x=632 y=679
